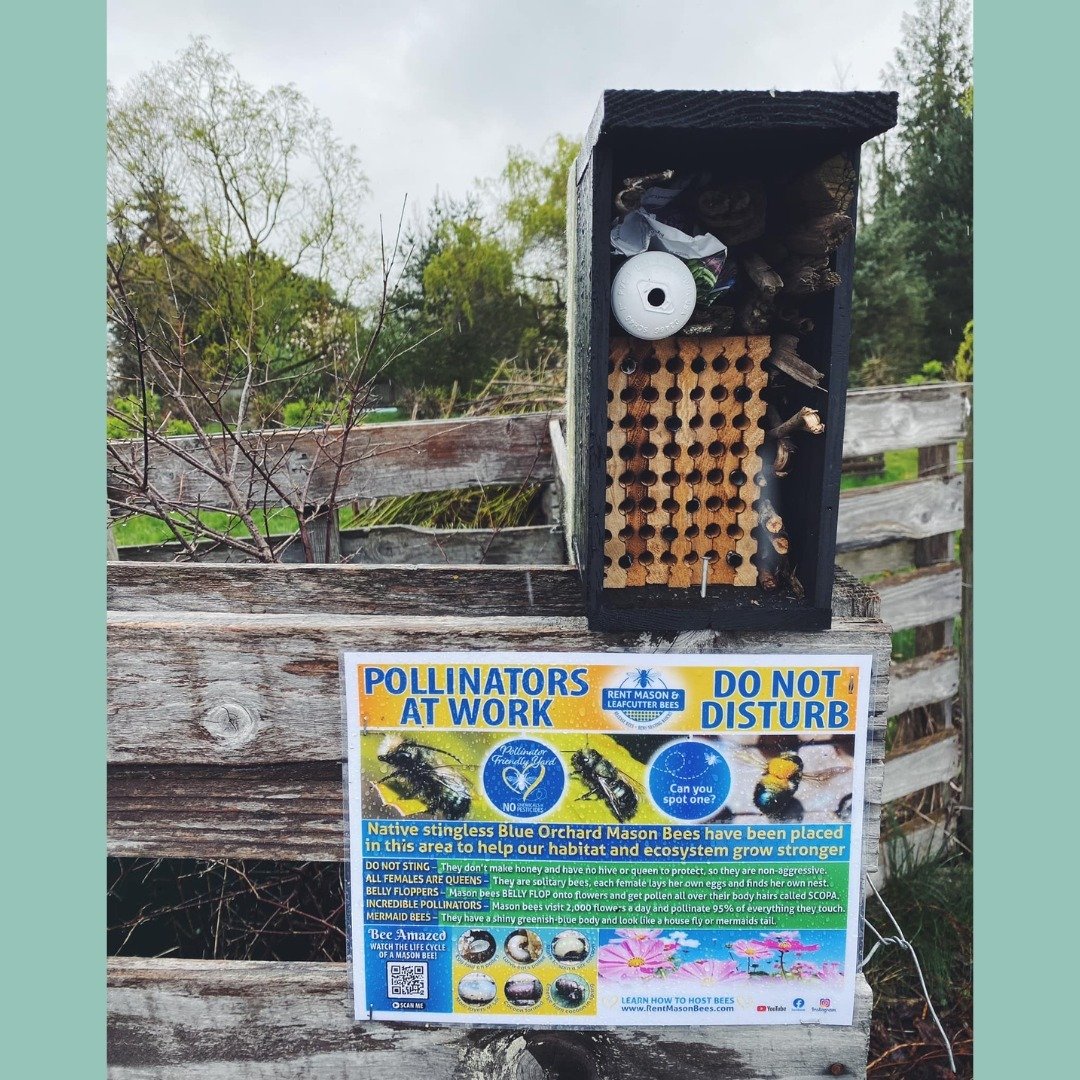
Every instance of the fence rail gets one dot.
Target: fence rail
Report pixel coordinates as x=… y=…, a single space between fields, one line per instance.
x=445 y=455
x=278 y=1021
x=224 y=727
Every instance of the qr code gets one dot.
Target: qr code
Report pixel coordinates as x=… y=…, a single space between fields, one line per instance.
x=406 y=980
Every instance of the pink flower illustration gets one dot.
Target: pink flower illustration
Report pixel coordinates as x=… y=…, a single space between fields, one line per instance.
x=804 y=970
x=710 y=971
x=638 y=935
x=830 y=972
x=632 y=958
x=788 y=942
x=752 y=950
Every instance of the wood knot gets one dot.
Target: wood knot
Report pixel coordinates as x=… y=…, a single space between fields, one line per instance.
x=231 y=723
x=837 y=1069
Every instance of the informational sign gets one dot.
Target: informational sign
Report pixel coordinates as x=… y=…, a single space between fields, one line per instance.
x=605 y=839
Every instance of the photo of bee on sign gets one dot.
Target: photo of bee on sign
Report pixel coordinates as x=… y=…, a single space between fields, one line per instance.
x=437 y=774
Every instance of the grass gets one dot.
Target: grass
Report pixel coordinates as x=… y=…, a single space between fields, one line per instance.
x=139 y=529
x=497 y=507
x=932 y=902
x=899 y=465
x=500 y=507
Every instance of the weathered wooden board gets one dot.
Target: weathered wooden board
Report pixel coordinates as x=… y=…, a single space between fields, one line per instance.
x=218 y=1020
x=211 y=688
x=379 y=460
x=903 y=417
x=926 y=679
x=912 y=510
x=225 y=730
x=889 y=558
x=430 y=590
x=934 y=759
x=397 y=459
x=530 y=545
x=291 y=811
x=921 y=596
x=561 y=464
x=356 y=590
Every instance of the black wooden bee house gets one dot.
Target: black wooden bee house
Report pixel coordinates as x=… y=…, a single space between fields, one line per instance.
x=712 y=249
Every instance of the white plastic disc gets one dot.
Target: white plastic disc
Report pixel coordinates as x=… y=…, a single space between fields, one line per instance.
x=653 y=295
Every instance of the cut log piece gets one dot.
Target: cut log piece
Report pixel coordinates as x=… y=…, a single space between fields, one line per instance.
x=766 y=280
x=785 y=451
x=785 y=358
x=819 y=235
x=733 y=212
x=755 y=314
x=806 y=419
x=787 y=314
x=635 y=186
x=829 y=188
x=805 y=275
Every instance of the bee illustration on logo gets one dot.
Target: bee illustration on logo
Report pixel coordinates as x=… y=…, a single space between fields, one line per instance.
x=645 y=699
x=419 y=773
x=603 y=780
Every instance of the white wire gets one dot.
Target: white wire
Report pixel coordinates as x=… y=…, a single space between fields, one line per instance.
x=905 y=944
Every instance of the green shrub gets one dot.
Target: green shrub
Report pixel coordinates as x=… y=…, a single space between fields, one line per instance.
x=932 y=371
x=299 y=414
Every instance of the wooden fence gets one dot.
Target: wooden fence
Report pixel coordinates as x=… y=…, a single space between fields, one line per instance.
x=901 y=530
x=207 y=661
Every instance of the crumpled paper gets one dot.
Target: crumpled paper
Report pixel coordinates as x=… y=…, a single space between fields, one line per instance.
x=639 y=231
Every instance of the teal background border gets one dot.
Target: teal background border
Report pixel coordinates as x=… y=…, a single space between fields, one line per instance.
x=1026 y=662
x=52 y=350
x=1027 y=754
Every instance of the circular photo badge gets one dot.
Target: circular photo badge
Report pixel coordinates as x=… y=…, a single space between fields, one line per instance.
x=689 y=780
x=523 y=991
x=476 y=989
x=569 y=947
x=523 y=947
x=476 y=946
x=570 y=992
x=523 y=778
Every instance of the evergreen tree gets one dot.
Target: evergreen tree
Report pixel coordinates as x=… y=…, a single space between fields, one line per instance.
x=485 y=277
x=458 y=309
x=914 y=262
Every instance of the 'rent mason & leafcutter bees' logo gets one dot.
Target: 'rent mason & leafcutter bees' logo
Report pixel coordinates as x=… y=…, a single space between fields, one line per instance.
x=643 y=699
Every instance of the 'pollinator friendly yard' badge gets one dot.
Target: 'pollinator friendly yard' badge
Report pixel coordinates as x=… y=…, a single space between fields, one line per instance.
x=589 y=841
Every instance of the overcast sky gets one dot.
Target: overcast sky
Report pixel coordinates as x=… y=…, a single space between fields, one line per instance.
x=432 y=92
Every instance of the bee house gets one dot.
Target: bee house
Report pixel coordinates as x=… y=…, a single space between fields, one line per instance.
x=712 y=247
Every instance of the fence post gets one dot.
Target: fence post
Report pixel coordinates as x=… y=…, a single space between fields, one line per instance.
x=111 y=552
x=935 y=461
x=325 y=533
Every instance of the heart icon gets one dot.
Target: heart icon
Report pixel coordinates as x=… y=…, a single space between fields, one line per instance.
x=524 y=781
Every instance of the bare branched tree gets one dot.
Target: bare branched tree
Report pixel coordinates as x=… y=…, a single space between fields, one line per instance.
x=236 y=283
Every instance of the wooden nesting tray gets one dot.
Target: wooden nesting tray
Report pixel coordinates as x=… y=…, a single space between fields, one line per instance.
x=684 y=475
